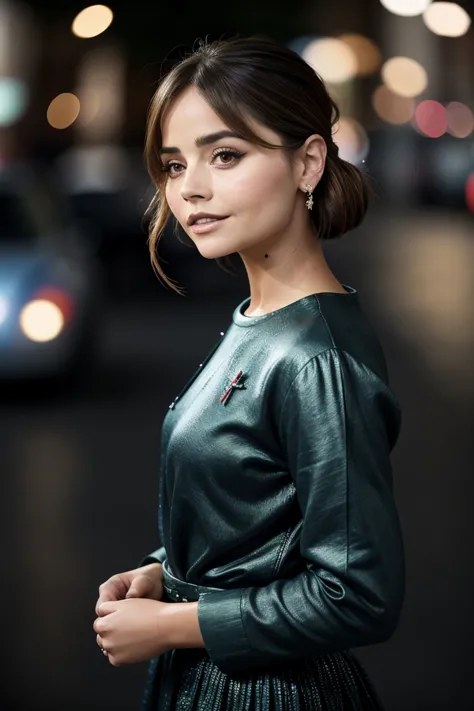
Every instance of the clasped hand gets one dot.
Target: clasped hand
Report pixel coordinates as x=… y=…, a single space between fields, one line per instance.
x=129 y=622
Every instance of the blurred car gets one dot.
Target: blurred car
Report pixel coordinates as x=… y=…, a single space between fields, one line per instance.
x=50 y=282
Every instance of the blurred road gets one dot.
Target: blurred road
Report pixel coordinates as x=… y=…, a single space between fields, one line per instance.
x=80 y=474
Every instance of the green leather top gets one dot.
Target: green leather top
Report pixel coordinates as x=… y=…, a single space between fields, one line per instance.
x=281 y=492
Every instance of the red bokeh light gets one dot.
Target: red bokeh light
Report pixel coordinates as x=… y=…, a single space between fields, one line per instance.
x=431 y=118
x=470 y=192
x=59 y=297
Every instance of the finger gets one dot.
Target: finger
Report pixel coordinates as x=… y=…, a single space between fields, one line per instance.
x=114 y=588
x=140 y=587
x=99 y=624
x=105 y=608
x=106 y=596
x=101 y=646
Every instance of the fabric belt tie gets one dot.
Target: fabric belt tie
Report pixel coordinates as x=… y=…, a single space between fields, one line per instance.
x=177 y=590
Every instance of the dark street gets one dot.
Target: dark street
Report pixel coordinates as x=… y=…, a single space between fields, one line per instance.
x=80 y=484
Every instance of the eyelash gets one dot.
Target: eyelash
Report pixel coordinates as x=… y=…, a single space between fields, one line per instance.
x=220 y=151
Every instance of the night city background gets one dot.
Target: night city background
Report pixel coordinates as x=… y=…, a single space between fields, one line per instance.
x=93 y=347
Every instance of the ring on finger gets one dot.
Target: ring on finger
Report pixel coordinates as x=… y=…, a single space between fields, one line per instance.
x=99 y=642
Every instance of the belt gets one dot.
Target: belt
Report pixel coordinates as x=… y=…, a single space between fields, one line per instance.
x=177 y=590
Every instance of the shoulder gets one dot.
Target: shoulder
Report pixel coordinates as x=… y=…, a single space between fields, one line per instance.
x=334 y=388
x=329 y=329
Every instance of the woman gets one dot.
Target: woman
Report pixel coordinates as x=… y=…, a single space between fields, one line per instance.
x=281 y=541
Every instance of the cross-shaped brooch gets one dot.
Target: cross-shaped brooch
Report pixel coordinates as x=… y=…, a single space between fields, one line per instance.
x=235 y=384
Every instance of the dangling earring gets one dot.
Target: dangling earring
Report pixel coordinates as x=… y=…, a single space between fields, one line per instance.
x=309 y=201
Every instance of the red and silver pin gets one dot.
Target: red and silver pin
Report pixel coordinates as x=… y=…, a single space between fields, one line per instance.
x=235 y=384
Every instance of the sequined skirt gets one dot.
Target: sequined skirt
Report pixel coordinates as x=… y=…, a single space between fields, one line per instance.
x=188 y=680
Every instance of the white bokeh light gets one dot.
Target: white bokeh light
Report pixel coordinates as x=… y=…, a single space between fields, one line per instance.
x=447 y=19
x=404 y=76
x=406 y=8
x=332 y=59
x=41 y=320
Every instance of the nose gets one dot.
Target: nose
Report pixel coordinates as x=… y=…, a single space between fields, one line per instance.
x=196 y=184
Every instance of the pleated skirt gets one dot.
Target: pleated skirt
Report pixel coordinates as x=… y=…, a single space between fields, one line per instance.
x=187 y=680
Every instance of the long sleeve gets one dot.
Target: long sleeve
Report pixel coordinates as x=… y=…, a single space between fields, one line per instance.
x=339 y=422
x=157 y=556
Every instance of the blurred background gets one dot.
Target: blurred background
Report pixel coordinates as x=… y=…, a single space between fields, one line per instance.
x=93 y=347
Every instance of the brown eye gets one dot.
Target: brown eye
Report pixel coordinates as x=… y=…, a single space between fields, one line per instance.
x=229 y=153
x=167 y=168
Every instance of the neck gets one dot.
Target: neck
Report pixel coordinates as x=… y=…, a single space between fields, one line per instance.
x=293 y=269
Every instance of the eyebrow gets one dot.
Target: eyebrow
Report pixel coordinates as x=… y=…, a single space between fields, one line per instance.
x=204 y=141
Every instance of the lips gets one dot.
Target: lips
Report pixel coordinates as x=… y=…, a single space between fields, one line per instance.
x=201 y=215
x=207 y=226
x=205 y=220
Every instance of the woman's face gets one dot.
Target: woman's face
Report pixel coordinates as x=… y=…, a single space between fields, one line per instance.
x=254 y=188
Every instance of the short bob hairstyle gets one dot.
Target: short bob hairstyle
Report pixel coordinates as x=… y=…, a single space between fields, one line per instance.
x=258 y=77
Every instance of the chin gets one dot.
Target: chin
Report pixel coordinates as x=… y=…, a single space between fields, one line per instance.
x=209 y=253
x=210 y=248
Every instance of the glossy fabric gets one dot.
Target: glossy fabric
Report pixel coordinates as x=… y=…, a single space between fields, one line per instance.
x=187 y=679
x=276 y=488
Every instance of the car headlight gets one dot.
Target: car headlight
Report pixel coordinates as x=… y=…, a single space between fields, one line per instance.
x=41 y=320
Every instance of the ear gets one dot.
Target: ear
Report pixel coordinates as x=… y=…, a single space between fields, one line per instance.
x=312 y=160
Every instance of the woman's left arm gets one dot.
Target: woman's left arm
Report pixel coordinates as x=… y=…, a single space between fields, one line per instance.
x=339 y=422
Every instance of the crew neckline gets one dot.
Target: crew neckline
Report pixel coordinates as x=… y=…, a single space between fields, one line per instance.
x=241 y=320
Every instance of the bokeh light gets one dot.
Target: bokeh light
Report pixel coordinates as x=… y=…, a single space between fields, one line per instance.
x=352 y=140
x=404 y=76
x=332 y=59
x=101 y=91
x=391 y=107
x=447 y=19
x=92 y=21
x=3 y=309
x=431 y=119
x=470 y=193
x=63 y=110
x=460 y=119
x=367 y=54
x=407 y=8
x=13 y=100
x=41 y=320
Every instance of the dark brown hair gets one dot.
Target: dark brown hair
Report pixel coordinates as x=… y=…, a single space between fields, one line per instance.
x=258 y=77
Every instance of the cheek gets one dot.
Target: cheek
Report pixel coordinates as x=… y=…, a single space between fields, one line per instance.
x=261 y=182
x=176 y=203
x=170 y=196
x=263 y=193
